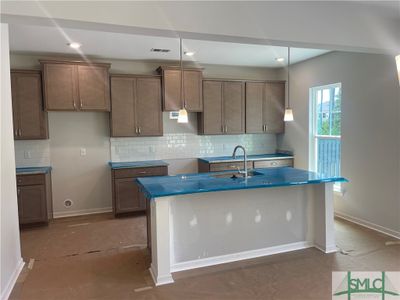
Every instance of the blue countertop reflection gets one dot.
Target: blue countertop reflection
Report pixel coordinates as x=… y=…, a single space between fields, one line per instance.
x=219 y=159
x=33 y=170
x=137 y=164
x=162 y=186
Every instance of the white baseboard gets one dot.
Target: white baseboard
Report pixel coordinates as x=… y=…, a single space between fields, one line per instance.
x=82 y=212
x=10 y=285
x=160 y=280
x=216 y=260
x=370 y=225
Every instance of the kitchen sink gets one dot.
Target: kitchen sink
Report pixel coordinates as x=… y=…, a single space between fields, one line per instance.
x=236 y=174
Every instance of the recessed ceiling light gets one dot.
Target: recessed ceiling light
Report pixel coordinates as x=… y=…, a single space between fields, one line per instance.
x=280 y=59
x=74 y=45
x=189 y=53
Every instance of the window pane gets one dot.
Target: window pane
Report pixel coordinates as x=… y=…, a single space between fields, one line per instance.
x=336 y=124
x=323 y=123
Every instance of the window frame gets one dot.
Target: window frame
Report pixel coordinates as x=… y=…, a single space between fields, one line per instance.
x=313 y=132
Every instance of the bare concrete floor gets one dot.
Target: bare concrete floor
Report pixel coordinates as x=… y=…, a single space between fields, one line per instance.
x=99 y=257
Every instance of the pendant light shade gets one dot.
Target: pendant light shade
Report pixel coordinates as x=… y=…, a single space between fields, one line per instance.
x=182 y=115
x=398 y=66
x=288 y=117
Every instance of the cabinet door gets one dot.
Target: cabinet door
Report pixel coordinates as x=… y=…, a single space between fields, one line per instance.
x=274 y=108
x=254 y=107
x=123 y=122
x=32 y=204
x=233 y=112
x=93 y=88
x=148 y=107
x=15 y=105
x=212 y=110
x=193 y=90
x=127 y=198
x=172 y=90
x=27 y=101
x=60 y=90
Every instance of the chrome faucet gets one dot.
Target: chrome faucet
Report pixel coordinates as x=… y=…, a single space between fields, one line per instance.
x=244 y=159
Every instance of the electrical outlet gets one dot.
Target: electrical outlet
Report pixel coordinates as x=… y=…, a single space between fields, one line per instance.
x=27 y=154
x=83 y=151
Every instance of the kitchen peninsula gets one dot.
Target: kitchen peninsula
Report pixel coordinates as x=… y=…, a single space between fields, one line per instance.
x=205 y=219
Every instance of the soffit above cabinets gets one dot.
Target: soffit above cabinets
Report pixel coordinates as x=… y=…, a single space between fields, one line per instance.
x=54 y=40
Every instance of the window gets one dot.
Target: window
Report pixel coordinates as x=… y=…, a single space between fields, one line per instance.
x=325 y=130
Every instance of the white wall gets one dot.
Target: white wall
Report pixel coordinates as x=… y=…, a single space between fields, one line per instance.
x=86 y=179
x=343 y=25
x=370 y=131
x=11 y=262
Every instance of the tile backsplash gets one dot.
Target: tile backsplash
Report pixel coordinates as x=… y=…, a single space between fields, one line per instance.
x=188 y=145
x=32 y=153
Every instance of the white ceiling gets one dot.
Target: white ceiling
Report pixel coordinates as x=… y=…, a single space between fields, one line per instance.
x=53 y=40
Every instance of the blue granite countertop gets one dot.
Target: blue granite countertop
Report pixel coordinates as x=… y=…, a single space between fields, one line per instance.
x=137 y=164
x=33 y=170
x=162 y=186
x=219 y=159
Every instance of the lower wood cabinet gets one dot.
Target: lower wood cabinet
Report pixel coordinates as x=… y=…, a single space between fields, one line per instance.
x=205 y=167
x=34 y=198
x=127 y=197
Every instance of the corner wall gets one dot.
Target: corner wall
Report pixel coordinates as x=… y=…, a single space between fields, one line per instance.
x=370 y=132
x=11 y=261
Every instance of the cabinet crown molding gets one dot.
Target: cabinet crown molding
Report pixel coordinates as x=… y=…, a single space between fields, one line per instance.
x=74 y=62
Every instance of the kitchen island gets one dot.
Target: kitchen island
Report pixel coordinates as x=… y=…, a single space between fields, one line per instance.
x=200 y=220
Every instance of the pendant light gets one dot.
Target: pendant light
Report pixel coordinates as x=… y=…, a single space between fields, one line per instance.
x=182 y=115
x=398 y=66
x=288 y=111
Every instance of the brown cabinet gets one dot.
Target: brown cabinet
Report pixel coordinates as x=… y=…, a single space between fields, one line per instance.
x=126 y=194
x=224 y=107
x=136 y=106
x=171 y=89
x=205 y=167
x=74 y=85
x=34 y=198
x=265 y=107
x=29 y=117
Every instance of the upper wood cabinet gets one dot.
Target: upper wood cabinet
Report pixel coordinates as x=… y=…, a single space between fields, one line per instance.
x=74 y=85
x=136 y=106
x=265 y=107
x=224 y=107
x=171 y=89
x=30 y=120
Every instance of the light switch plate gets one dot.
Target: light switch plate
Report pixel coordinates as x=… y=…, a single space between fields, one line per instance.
x=83 y=151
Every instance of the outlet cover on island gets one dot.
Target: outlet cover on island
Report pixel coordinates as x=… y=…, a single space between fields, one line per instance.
x=83 y=151
x=27 y=154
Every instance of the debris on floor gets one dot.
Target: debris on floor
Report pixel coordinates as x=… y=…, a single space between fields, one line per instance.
x=143 y=289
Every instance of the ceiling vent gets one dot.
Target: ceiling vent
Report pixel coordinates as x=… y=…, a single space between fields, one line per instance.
x=160 y=50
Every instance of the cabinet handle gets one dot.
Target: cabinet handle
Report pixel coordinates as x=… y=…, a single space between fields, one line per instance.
x=274 y=163
x=16 y=132
x=266 y=128
x=139 y=130
x=18 y=191
x=142 y=172
x=19 y=132
x=226 y=128
x=222 y=128
x=80 y=103
x=74 y=105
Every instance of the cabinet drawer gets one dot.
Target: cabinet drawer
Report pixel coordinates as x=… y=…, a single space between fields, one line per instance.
x=273 y=163
x=141 y=172
x=229 y=166
x=30 y=179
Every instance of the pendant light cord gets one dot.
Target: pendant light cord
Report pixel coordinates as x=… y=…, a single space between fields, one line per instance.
x=182 y=75
x=288 y=84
